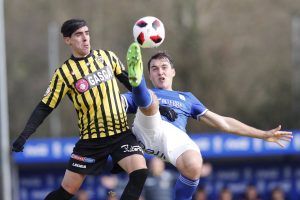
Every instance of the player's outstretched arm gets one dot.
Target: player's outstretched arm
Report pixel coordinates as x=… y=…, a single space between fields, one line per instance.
x=37 y=117
x=234 y=126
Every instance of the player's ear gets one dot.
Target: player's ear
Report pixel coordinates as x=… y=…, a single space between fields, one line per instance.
x=67 y=40
x=173 y=72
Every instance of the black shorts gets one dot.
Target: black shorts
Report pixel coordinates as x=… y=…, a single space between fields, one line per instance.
x=90 y=156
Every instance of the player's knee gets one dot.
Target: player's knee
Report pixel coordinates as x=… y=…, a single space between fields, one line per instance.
x=154 y=98
x=70 y=188
x=193 y=168
x=196 y=168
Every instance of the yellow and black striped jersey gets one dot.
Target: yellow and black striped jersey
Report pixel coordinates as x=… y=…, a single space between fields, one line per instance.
x=91 y=85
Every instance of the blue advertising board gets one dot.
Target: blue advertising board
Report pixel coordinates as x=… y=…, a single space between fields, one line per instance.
x=36 y=183
x=216 y=145
x=41 y=168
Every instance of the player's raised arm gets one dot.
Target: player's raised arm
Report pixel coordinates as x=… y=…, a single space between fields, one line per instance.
x=234 y=126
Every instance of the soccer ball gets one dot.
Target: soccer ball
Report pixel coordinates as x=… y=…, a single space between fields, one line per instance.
x=149 y=32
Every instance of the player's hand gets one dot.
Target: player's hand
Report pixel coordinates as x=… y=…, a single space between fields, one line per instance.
x=168 y=112
x=277 y=136
x=18 y=144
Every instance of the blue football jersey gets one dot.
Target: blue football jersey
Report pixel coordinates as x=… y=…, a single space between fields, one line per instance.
x=184 y=103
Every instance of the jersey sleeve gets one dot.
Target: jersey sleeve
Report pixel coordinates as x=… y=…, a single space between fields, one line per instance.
x=56 y=90
x=197 y=109
x=118 y=66
x=128 y=102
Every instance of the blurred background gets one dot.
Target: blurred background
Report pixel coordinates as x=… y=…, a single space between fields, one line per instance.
x=240 y=58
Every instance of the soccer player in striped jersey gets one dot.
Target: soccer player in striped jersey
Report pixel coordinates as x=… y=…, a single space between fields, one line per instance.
x=168 y=139
x=88 y=78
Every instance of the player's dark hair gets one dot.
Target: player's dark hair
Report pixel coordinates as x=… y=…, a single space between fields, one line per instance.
x=71 y=25
x=161 y=55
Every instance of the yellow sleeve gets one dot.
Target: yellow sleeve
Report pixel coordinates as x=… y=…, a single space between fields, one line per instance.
x=56 y=90
x=118 y=66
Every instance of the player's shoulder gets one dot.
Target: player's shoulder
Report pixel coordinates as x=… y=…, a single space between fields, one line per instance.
x=65 y=65
x=187 y=94
x=106 y=52
x=172 y=92
x=66 y=68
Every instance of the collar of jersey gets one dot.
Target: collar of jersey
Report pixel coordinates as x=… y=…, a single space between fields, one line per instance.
x=82 y=58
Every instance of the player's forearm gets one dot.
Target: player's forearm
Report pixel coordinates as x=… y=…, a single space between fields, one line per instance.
x=37 y=117
x=123 y=78
x=236 y=127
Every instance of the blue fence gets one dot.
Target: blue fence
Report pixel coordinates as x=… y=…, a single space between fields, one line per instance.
x=220 y=145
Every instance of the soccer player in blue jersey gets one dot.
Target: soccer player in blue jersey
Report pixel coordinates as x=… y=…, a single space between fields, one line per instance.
x=168 y=139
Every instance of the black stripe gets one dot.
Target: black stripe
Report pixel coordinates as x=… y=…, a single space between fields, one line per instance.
x=63 y=86
x=94 y=105
x=108 y=94
x=114 y=59
x=60 y=94
x=101 y=97
x=108 y=55
x=124 y=117
x=84 y=101
x=77 y=111
x=81 y=124
x=52 y=94
x=117 y=107
x=64 y=76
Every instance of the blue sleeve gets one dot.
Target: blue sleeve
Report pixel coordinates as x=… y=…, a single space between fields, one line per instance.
x=130 y=106
x=197 y=109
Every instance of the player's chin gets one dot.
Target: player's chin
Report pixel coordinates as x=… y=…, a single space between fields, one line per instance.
x=86 y=51
x=161 y=86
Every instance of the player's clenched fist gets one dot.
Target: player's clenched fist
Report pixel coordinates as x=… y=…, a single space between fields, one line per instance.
x=18 y=144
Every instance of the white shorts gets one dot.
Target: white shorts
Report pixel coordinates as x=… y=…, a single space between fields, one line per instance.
x=161 y=138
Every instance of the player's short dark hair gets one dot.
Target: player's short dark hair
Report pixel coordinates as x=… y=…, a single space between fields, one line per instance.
x=161 y=55
x=71 y=25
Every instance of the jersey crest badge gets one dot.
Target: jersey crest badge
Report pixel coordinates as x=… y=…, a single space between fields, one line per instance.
x=82 y=85
x=100 y=59
x=181 y=97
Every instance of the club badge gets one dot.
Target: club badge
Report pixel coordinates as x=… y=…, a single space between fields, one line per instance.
x=181 y=97
x=100 y=59
x=82 y=85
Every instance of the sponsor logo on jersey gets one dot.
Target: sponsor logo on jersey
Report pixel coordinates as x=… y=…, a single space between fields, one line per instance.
x=170 y=102
x=82 y=85
x=94 y=79
x=129 y=148
x=83 y=159
x=102 y=75
x=78 y=165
